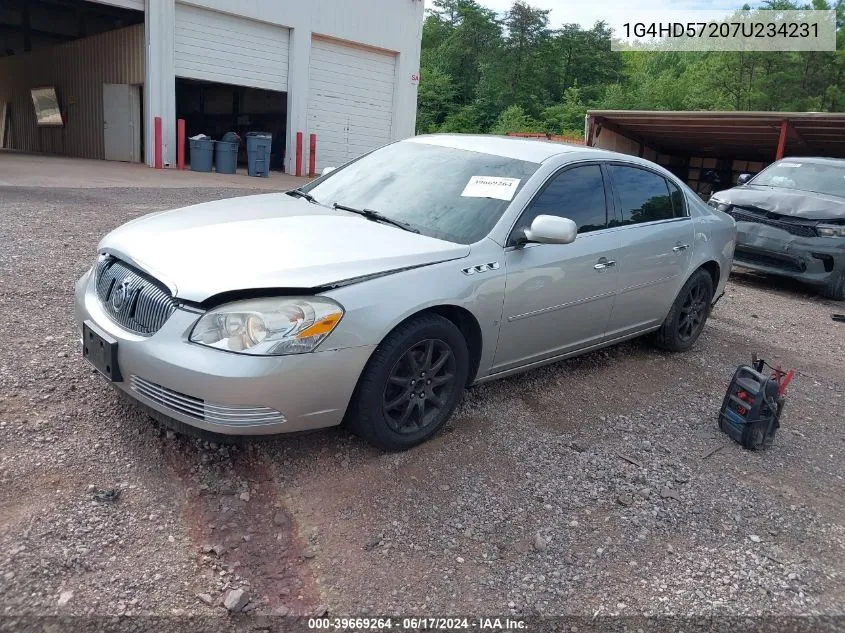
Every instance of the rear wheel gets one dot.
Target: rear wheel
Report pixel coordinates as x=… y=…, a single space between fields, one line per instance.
x=411 y=385
x=835 y=288
x=688 y=314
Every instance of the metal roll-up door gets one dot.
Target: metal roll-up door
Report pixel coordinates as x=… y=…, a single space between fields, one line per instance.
x=228 y=49
x=350 y=100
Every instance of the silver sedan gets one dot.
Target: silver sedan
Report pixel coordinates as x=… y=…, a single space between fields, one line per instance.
x=375 y=294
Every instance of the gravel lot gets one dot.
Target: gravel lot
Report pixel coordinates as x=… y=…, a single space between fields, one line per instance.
x=588 y=487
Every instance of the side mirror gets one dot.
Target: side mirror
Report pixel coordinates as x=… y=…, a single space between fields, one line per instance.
x=326 y=170
x=551 y=229
x=743 y=178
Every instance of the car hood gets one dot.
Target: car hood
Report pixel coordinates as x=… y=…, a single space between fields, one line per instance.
x=799 y=204
x=267 y=241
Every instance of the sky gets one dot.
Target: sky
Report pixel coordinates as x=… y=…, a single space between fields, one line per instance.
x=587 y=12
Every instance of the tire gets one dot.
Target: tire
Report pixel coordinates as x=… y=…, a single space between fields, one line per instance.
x=387 y=409
x=835 y=288
x=688 y=314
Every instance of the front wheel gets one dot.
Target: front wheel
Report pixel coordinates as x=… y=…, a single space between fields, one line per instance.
x=411 y=384
x=688 y=314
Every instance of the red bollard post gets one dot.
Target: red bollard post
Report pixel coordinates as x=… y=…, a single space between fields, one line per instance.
x=180 y=143
x=157 y=126
x=299 y=153
x=312 y=155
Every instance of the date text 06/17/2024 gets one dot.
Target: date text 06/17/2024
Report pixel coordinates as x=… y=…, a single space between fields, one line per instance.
x=416 y=624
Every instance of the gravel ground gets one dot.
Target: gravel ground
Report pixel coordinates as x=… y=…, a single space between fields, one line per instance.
x=596 y=486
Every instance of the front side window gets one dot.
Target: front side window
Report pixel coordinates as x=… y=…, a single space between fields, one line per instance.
x=425 y=186
x=643 y=195
x=577 y=194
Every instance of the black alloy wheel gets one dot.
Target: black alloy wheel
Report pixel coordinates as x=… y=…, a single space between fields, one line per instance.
x=694 y=311
x=688 y=314
x=411 y=384
x=419 y=386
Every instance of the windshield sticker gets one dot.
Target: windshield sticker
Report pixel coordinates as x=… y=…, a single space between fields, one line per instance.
x=491 y=187
x=790 y=164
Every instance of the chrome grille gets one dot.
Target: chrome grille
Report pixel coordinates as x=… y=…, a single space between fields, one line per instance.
x=132 y=299
x=199 y=409
x=804 y=228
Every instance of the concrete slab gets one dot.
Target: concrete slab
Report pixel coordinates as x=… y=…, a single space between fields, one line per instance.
x=41 y=170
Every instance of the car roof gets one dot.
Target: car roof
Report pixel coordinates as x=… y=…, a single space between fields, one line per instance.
x=527 y=149
x=819 y=160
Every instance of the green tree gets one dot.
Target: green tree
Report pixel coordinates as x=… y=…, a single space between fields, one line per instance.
x=566 y=117
x=435 y=99
x=484 y=72
x=522 y=66
x=514 y=119
x=466 y=35
x=464 y=119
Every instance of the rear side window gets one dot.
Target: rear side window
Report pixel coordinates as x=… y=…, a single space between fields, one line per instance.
x=577 y=194
x=679 y=207
x=643 y=195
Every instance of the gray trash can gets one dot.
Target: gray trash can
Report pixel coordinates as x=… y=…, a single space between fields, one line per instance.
x=225 y=157
x=202 y=154
x=258 y=146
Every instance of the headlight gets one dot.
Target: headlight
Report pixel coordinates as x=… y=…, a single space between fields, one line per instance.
x=268 y=327
x=719 y=205
x=830 y=230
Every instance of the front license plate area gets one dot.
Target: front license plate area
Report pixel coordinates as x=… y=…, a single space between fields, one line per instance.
x=100 y=350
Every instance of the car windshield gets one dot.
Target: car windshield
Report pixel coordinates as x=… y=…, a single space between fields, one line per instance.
x=443 y=192
x=806 y=176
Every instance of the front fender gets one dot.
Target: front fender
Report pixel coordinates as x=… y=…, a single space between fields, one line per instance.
x=375 y=307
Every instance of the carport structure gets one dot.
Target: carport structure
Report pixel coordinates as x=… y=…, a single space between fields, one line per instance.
x=710 y=150
x=761 y=136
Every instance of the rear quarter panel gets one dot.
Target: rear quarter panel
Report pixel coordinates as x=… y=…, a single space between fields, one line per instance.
x=715 y=239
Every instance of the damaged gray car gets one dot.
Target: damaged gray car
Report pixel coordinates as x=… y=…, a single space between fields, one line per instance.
x=790 y=221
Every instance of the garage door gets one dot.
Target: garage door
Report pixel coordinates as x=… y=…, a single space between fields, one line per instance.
x=350 y=100
x=216 y=47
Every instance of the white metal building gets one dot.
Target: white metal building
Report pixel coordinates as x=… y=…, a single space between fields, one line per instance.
x=345 y=70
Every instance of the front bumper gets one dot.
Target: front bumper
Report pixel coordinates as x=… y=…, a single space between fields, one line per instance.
x=813 y=260
x=222 y=392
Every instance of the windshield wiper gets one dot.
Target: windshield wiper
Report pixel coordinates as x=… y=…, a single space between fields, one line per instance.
x=376 y=217
x=302 y=194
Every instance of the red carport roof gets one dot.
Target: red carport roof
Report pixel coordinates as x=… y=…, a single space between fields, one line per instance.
x=747 y=135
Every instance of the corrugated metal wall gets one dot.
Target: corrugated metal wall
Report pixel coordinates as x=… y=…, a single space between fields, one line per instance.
x=78 y=70
x=608 y=139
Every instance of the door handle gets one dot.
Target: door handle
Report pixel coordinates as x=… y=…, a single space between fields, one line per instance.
x=604 y=263
x=680 y=247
